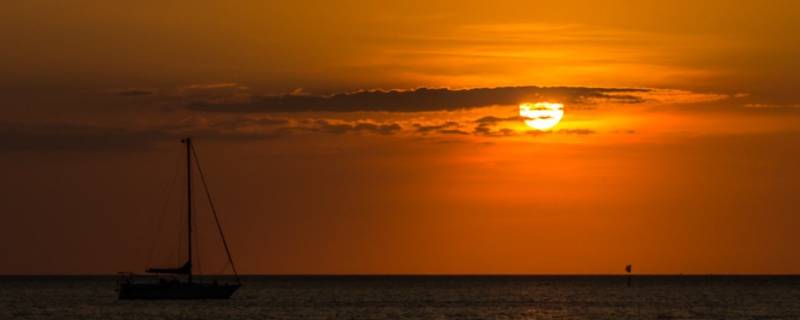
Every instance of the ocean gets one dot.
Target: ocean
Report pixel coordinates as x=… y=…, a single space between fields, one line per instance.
x=422 y=297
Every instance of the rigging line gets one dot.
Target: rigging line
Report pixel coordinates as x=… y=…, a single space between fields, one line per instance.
x=160 y=216
x=214 y=211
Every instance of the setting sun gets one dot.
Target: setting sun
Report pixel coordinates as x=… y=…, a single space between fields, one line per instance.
x=541 y=115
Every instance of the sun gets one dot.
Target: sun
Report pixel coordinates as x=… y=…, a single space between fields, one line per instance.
x=541 y=115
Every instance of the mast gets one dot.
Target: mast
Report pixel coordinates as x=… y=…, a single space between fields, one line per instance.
x=188 y=142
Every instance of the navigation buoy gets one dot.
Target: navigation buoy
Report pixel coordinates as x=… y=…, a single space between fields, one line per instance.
x=628 y=269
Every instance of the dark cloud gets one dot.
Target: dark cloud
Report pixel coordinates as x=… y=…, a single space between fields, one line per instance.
x=78 y=137
x=134 y=92
x=240 y=122
x=342 y=128
x=269 y=122
x=74 y=137
x=418 y=100
x=420 y=128
x=378 y=128
x=489 y=132
x=453 y=131
x=492 y=120
x=486 y=124
x=446 y=128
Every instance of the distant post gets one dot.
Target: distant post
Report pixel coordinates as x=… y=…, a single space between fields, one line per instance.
x=628 y=269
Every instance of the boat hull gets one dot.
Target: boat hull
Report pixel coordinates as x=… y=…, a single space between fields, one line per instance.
x=175 y=291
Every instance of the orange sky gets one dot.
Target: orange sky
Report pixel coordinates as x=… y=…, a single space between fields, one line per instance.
x=385 y=138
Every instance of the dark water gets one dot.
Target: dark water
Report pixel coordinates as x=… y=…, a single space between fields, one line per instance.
x=434 y=297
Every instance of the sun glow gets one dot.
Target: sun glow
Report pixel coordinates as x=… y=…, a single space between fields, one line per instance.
x=541 y=115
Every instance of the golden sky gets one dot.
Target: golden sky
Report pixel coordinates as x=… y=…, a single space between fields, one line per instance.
x=379 y=137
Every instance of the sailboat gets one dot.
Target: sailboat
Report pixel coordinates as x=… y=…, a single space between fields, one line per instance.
x=188 y=287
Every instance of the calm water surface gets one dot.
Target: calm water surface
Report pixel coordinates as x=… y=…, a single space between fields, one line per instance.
x=434 y=297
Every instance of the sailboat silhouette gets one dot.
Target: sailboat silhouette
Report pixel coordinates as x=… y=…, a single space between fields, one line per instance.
x=129 y=288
